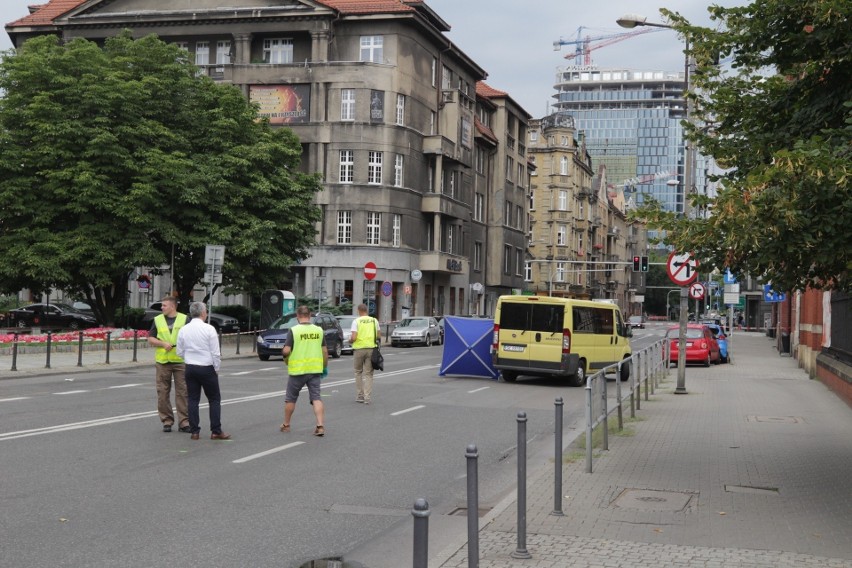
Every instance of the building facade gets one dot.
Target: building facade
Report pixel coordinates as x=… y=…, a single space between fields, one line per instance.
x=386 y=108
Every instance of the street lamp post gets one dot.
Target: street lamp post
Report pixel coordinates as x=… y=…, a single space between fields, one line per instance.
x=631 y=21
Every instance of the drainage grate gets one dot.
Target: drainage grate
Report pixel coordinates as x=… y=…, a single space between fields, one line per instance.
x=653 y=500
x=777 y=419
x=462 y=511
x=750 y=489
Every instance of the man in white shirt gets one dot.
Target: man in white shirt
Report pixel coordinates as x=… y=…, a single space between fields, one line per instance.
x=198 y=346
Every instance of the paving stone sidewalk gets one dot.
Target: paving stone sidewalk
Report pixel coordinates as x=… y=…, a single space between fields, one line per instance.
x=749 y=469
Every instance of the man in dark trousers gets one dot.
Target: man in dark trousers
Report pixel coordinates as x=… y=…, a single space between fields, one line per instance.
x=198 y=344
x=307 y=362
x=170 y=367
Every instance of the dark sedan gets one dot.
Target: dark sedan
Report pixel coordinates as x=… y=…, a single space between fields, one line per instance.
x=270 y=341
x=52 y=316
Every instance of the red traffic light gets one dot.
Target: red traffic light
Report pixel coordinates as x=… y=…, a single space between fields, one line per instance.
x=637 y=260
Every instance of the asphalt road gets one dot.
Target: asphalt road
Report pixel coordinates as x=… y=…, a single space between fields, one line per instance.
x=88 y=478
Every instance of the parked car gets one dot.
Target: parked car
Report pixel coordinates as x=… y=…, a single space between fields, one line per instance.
x=721 y=339
x=714 y=321
x=271 y=341
x=52 y=316
x=221 y=322
x=700 y=345
x=416 y=331
x=346 y=326
x=636 y=322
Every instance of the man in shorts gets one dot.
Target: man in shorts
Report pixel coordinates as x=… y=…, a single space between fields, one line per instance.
x=307 y=363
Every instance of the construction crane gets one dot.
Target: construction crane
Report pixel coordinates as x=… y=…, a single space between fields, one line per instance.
x=649 y=178
x=582 y=54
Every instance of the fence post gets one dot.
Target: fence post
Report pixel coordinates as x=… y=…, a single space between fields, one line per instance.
x=618 y=394
x=421 y=533
x=80 y=349
x=239 y=333
x=108 y=340
x=254 y=343
x=135 y=343
x=589 y=422
x=557 y=472
x=521 y=550
x=49 y=339
x=14 y=352
x=472 y=456
x=605 y=411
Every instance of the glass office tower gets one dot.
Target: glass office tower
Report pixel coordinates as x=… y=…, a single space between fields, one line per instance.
x=631 y=120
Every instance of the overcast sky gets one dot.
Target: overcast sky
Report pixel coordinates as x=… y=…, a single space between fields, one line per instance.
x=513 y=39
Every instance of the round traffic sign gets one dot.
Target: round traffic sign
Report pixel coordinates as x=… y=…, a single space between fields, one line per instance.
x=387 y=288
x=416 y=275
x=370 y=270
x=682 y=268
x=696 y=291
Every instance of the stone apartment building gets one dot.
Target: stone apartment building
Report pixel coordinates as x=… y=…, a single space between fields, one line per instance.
x=424 y=167
x=580 y=241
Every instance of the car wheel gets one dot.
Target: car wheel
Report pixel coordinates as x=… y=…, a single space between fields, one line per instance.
x=337 y=351
x=724 y=359
x=428 y=342
x=707 y=361
x=578 y=379
x=263 y=357
x=509 y=376
x=625 y=370
x=441 y=339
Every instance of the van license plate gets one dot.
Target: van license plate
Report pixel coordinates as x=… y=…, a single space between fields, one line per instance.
x=518 y=348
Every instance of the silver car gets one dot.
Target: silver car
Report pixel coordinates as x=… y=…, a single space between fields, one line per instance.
x=416 y=331
x=346 y=325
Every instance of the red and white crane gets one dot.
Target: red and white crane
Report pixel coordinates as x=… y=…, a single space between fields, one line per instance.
x=582 y=54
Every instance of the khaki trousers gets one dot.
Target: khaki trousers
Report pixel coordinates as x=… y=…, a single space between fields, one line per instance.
x=363 y=373
x=166 y=372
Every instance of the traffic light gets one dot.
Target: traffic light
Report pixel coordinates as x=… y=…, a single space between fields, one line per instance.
x=644 y=264
x=636 y=262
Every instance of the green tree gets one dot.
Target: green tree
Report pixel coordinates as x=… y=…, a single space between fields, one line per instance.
x=122 y=156
x=780 y=120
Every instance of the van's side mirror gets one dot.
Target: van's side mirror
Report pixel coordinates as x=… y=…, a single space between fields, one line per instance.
x=628 y=332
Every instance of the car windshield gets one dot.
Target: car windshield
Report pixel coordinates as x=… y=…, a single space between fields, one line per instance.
x=346 y=321
x=691 y=333
x=285 y=322
x=635 y=319
x=415 y=323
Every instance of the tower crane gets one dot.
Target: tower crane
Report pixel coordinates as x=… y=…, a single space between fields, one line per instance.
x=584 y=47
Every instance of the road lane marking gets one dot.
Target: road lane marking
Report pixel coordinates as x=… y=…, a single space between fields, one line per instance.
x=126 y=386
x=71 y=392
x=412 y=409
x=16 y=398
x=241 y=373
x=477 y=390
x=268 y=452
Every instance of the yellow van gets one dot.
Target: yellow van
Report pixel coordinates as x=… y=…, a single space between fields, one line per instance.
x=559 y=337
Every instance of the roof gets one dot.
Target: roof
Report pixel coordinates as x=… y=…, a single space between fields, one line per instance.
x=483 y=89
x=369 y=6
x=44 y=14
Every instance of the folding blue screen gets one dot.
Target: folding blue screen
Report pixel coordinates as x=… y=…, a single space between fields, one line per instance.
x=467 y=347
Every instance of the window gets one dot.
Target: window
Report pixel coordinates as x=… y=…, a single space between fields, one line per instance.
x=519 y=217
x=561 y=235
x=507 y=213
x=528 y=272
x=184 y=45
x=519 y=261
x=533 y=136
x=374 y=227
x=397 y=230
x=563 y=166
x=398 y=179
x=202 y=53
x=478 y=207
x=278 y=50
x=521 y=175
x=347 y=104
x=480 y=160
x=434 y=71
x=510 y=167
x=580 y=241
x=432 y=123
x=400 y=110
x=347 y=166
x=372 y=49
x=223 y=52
x=374 y=168
x=560 y=272
x=446 y=79
x=562 y=203
x=477 y=256
x=344 y=227
x=507 y=259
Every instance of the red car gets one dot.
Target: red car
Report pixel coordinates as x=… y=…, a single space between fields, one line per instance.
x=700 y=345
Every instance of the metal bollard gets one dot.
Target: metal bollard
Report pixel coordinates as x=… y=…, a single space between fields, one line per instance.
x=49 y=339
x=521 y=551
x=421 y=533
x=80 y=349
x=557 y=471
x=254 y=343
x=472 y=456
x=618 y=404
x=239 y=334
x=219 y=333
x=14 y=352
x=135 y=343
x=108 y=337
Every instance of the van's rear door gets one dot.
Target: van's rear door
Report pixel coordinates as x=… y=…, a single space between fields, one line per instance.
x=513 y=339
x=545 y=335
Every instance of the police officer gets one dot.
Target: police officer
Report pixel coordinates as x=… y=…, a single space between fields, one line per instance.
x=170 y=367
x=365 y=337
x=307 y=362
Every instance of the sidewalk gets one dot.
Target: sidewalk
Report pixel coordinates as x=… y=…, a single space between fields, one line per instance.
x=751 y=468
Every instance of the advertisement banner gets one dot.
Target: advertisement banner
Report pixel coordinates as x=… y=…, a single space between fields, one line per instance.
x=282 y=104
x=377 y=106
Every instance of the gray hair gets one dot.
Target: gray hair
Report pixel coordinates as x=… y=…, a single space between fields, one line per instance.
x=196 y=309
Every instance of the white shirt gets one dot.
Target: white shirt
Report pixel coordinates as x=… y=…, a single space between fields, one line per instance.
x=198 y=344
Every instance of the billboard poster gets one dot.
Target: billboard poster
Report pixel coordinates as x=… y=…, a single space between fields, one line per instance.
x=282 y=104
x=377 y=106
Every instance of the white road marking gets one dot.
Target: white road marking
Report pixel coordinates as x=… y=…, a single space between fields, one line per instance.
x=241 y=373
x=125 y=386
x=412 y=409
x=267 y=452
x=477 y=390
x=16 y=398
x=71 y=392
x=270 y=369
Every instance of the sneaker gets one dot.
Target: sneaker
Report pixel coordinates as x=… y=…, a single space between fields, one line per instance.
x=320 y=431
x=366 y=401
x=167 y=427
x=185 y=429
x=359 y=399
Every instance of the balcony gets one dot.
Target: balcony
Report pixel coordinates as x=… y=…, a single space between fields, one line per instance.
x=445 y=205
x=443 y=262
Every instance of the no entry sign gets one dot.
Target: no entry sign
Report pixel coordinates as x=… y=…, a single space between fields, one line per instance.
x=370 y=270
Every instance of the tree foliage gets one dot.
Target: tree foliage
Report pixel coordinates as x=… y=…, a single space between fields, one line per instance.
x=779 y=120
x=122 y=156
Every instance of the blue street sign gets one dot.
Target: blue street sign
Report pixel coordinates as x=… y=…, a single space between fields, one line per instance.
x=729 y=278
x=770 y=295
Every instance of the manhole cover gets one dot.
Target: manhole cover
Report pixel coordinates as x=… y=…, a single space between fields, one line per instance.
x=462 y=511
x=652 y=500
x=777 y=419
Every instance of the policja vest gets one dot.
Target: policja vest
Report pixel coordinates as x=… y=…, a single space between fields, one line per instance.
x=164 y=334
x=366 y=338
x=306 y=356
